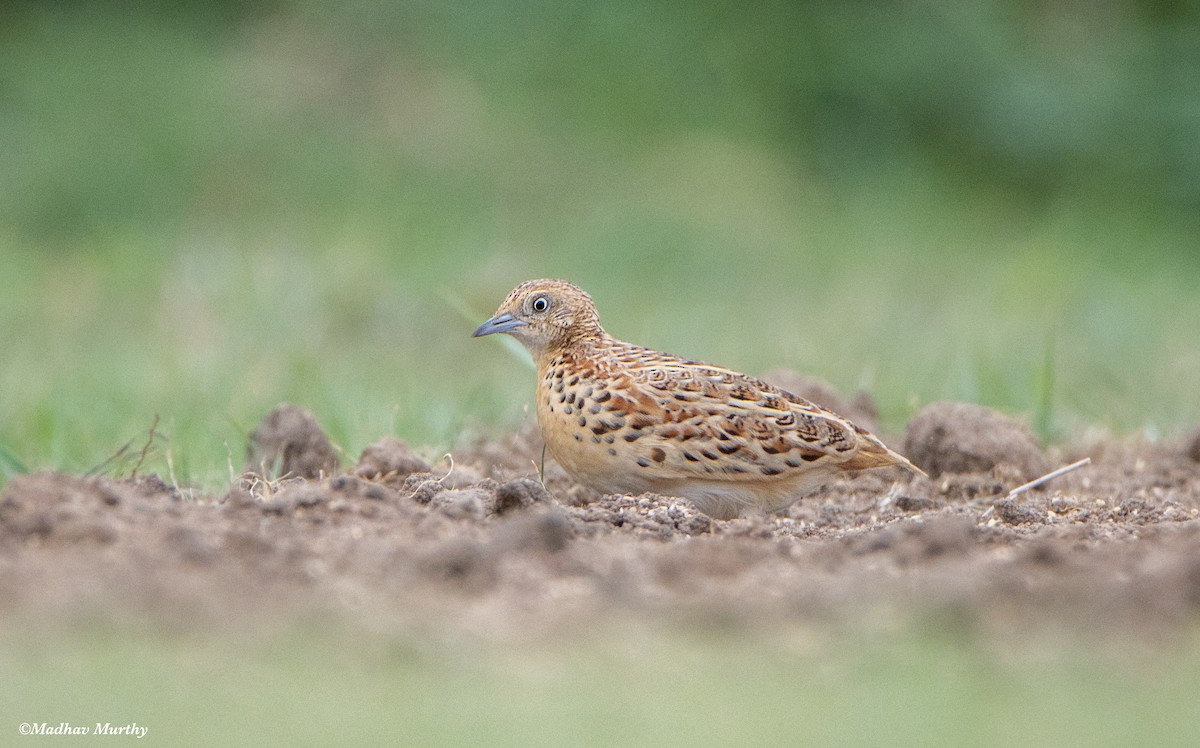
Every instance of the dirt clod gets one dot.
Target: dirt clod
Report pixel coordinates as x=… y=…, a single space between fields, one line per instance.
x=1014 y=512
x=914 y=503
x=289 y=442
x=539 y=530
x=520 y=494
x=390 y=460
x=294 y=496
x=1193 y=448
x=422 y=487
x=465 y=563
x=968 y=438
x=462 y=503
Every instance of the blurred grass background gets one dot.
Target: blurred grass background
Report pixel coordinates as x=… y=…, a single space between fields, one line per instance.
x=212 y=208
x=912 y=687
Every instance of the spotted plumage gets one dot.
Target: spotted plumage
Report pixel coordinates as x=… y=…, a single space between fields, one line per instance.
x=621 y=418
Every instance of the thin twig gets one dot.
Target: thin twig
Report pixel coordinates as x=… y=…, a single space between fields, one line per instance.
x=145 y=447
x=1048 y=477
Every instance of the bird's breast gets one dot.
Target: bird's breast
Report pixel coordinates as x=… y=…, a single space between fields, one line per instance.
x=582 y=421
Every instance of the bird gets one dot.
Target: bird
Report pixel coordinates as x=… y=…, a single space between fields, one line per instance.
x=624 y=419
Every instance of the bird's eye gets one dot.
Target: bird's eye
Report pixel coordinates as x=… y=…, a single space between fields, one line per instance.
x=540 y=304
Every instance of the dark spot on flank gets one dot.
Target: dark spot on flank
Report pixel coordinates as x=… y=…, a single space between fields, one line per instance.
x=595 y=409
x=643 y=462
x=558 y=387
x=595 y=439
x=573 y=381
x=604 y=426
x=641 y=421
x=728 y=449
x=734 y=469
x=810 y=456
x=578 y=438
x=582 y=421
x=691 y=457
x=770 y=471
x=562 y=398
x=681 y=396
x=609 y=438
x=657 y=454
x=568 y=410
x=632 y=437
x=603 y=396
x=792 y=462
x=708 y=454
x=612 y=451
x=772 y=449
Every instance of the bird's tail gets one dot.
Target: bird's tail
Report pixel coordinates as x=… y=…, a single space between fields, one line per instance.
x=875 y=454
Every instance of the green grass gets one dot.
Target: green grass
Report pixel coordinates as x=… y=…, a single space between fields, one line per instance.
x=210 y=339
x=203 y=214
x=912 y=687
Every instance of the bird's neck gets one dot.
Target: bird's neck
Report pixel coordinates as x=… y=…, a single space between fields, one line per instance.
x=572 y=350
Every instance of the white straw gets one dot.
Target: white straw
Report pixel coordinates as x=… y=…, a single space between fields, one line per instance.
x=1049 y=477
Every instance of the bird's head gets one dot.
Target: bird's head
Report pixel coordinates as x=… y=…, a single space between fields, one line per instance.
x=546 y=316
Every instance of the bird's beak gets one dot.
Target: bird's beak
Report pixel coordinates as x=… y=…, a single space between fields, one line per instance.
x=500 y=323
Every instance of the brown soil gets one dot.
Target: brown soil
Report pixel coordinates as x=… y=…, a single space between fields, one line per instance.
x=484 y=547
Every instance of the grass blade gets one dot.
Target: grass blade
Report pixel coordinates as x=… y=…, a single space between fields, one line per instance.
x=10 y=464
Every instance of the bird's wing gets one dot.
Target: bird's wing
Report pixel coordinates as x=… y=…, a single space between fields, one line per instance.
x=692 y=420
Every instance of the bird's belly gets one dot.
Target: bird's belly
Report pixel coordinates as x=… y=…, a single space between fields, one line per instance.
x=726 y=499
